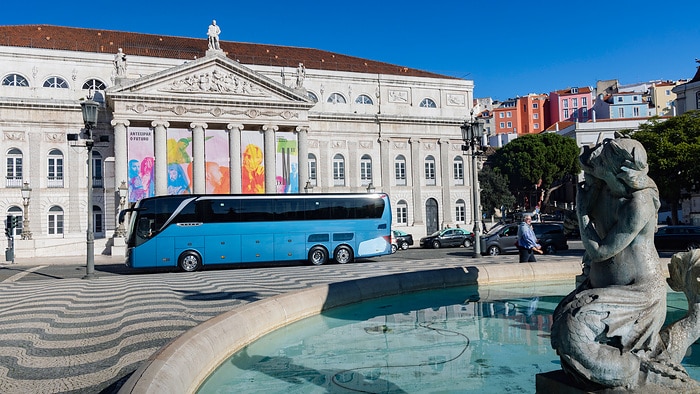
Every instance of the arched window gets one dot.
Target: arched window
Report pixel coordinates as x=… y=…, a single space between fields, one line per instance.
x=401 y=212
x=97 y=170
x=56 y=83
x=313 y=168
x=312 y=96
x=94 y=84
x=400 y=170
x=336 y=98
x=97 y=220
x=365 y=170
x=338 y=170
x=363 y=99
x=55 y=169
x=427 y=103
x=430 y=170
x=16 y=211
x=55 y=220
x=458 y=166
x=460 y=211
x=13 y=176
x=15 y=80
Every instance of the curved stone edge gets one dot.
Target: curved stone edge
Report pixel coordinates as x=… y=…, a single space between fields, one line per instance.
x=209 y=344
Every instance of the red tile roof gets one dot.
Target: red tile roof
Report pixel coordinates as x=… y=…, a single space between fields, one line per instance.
x=108 y=41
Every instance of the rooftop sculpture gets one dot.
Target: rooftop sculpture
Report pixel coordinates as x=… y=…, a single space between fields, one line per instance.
x=609 y=331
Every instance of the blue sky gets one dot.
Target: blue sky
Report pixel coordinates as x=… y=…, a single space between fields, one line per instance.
x=508 y=48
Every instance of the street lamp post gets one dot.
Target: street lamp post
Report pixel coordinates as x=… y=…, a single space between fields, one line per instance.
x=123 y=191
x=90 y=110
x=308 y=188
x=26 y=196
x=471 y=134
x=370 y=188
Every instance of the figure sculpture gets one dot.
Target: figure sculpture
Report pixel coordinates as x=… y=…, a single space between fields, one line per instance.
x=120 y=63
x=608 y=331
x=213 y=34
x=301 y=74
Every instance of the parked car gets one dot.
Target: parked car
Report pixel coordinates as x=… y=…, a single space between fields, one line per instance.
x=677 y=238
x=501 y=239
x=403 y=239
x=448 y=237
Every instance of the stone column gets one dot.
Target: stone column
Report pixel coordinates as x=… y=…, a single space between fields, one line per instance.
x=160 y=137
x=303 y=141
x=234 y=154
x=385 y=161
x=199 y=174
x=445 y=179
x=352 y=169
x=414 y=180
x=270 y=157
x=121 y=162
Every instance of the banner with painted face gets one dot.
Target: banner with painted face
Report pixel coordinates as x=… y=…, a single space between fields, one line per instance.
x=218 y=172
x=141 y=161
x=179 y=154
x=252 y=162
x=287 y=163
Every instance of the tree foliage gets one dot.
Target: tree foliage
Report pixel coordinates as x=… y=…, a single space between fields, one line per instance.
x=673 y=148
x=537 y=162
x=494 y=190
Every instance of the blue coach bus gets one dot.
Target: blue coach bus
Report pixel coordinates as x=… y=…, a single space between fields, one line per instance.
x=190 y=231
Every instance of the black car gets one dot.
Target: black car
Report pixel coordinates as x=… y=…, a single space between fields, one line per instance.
x=677 y=238
x=403 y=239
x=501 y=239
x=448 y=237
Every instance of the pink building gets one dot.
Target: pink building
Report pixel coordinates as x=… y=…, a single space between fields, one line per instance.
x=571 y=104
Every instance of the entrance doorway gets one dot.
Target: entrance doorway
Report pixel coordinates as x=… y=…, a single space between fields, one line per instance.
x=431 y=216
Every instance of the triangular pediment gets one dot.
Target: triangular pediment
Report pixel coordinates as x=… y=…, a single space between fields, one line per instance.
x=209 y=79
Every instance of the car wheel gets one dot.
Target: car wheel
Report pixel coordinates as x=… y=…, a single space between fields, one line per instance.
x=190 y=261
x=394 y=248
x=436 y=244
x=318 y=255
x=550 y=249
x=494 y=250
x=404 y=245
x=343 y=254
x=467 y=243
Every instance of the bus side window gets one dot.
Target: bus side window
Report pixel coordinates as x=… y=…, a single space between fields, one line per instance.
x=145 y=227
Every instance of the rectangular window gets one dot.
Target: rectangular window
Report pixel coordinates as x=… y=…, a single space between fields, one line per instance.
x=584 y=101
x=584 y=113
x=536 y=126
x=574 y=102
x=535 y=105
x=55 y=172
x=459 y=172
x=460 y=213
x=621 y=112
x=430 y=172
x=510 y=124
x=635 y=98
x=400 y=172
x=365 y=171
x=635 y=111
x=501 y=115
x=565 y=103
x=401 y=214
x=535 y=116
x=339 y=173
x=509 y=114
x=566 y=114
x=668 y=92
x=312 y=171
x=502 y=125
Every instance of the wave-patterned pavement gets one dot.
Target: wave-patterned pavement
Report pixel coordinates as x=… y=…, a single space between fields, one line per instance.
x=87 y=336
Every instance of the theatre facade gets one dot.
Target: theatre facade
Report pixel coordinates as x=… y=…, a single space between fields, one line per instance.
x=178 y=116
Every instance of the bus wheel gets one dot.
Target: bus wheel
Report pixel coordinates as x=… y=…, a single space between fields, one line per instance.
x=318 y=255
x=343 y=254
x=190 y=261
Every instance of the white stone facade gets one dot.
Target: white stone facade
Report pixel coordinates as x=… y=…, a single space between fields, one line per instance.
x=386 y=128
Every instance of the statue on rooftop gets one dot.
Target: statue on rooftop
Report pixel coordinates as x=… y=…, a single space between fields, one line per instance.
x=213 y=34
x=120 y=63
x=301 y=75
x=608 y=331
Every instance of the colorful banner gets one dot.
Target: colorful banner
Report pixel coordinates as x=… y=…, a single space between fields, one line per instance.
x=179 y=151
x=287 y=162
x=252 y=164
x=217 y=162
x=140 y=153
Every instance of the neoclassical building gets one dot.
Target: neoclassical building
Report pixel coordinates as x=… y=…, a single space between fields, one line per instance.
x=180 y=115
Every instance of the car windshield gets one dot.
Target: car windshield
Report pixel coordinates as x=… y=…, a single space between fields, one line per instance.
x=435 y=234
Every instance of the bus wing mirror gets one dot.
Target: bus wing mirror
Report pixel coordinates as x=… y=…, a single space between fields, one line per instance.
x=121 y=216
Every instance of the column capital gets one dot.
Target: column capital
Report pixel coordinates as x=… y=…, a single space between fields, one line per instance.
x=270 y=127
x=302 y=129
x=115 y=122
x=414 y=140
x=384 y=140
x=163 y=123
x=195 y=125
x=443 y=141
x=232 y=126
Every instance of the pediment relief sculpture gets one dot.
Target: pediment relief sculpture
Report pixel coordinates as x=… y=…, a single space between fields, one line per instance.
x=216 y=81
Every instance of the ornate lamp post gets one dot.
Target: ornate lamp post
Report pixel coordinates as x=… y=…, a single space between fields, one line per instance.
x=26 y=196
x=90 y=111
x=471 y=134
x=123 y=191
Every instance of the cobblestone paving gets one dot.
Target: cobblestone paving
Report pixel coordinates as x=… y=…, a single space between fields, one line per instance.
x=80 y=336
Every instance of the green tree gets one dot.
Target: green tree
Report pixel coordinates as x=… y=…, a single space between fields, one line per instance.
x=673 y=148
x=494 y=190
x=538 y=162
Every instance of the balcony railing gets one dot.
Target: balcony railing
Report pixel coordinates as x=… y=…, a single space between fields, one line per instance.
x=13 y=181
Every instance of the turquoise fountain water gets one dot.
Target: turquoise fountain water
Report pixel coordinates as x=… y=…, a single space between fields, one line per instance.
x=467 y=339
